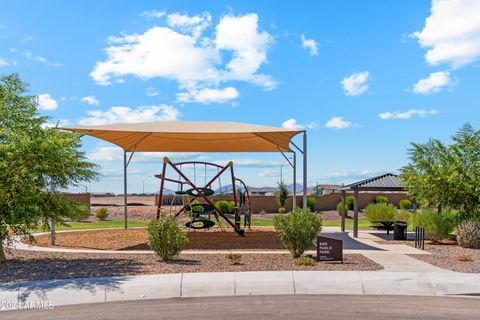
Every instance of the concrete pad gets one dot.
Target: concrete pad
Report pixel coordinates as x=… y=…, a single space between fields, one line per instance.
x=327 y=282
x=396 y=283
x=208 y=284
x=454 y=283
x=8 y=296
x=257 y=283
x=63 y=292
x=392 y=261
x=143 y=287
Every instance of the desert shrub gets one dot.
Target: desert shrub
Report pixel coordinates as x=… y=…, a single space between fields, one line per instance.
x=101 y=214
x=467 y=215
x=349 y=202
x=405 y=204
x=305 y=261
x=381 y=199
x=165 y=237
x=468 y=233
x=281 y=210
x=297 y=229
x=234 y=258
x=262 y=212
x=402 y=215
x=281 y=194
x=311 y=201
x=437 y=226
x=380 y=212
x=78 y=211
x=225 y=206
x=339 y=209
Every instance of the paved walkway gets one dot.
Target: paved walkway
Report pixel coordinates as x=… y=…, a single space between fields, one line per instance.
x=106 y=289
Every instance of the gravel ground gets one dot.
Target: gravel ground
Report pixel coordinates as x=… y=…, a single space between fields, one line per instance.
x=136 y=239
x=27 y=265
x=446 y=255
x=451 y=257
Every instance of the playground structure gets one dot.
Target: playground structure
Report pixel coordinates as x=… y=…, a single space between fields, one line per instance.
x=201 y=212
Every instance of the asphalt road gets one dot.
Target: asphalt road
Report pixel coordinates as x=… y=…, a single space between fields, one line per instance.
x=338 y=307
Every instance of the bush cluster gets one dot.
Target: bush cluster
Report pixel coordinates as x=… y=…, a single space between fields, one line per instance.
x=311 y=201
x=468 y=233
x=380 y=212
x=281 y=210
x=297 y=229
x=234 y=258
x=101 y=214
x=402 y=215
x=381 y=199
x=305 y=261
x=405 y=204
x=437 y=226
x=165 y=237
x=227 y=207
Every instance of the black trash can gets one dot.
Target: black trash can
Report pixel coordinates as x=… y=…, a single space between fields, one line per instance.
x=399 y=230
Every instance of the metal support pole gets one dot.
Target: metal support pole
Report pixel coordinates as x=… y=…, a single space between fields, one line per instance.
x=294 y=202
x=125 y=204
x=52 y=222
x=343 y=211
x=304 y=169
x=355 y=214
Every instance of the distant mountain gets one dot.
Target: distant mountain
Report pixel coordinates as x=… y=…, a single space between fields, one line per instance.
x=226 y=189
x=299 y=187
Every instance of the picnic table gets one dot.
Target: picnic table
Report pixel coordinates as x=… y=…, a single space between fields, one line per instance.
x=383 y=225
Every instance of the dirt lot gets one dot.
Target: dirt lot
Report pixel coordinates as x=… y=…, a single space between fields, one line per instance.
x=26 y=265
x=136 y=239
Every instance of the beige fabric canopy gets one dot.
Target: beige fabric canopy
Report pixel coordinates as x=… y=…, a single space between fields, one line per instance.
x=179 y=136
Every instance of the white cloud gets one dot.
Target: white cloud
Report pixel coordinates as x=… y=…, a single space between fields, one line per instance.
x=112 y=153
x=309 y=44
x=422 y=113
x=119 y=114
x=153 y=14
x=91 y=100
x=252 y=163
x=269 y=173
x=451 y=32
x=27 y=54
x=46 y=102
x=434 y=83
x=151 y=92
x=356 y=84
x=293 y=124
x=60 y=123
x=209 y=95
x=3 y=62
x=181 y=51
x=189 y=24
x=338 y=123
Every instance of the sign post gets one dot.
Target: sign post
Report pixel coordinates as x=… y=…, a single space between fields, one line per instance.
x=329 y=249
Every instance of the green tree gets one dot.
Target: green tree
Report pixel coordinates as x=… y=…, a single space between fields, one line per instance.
x=446 y=175
x=281 y=194
x=33 y=158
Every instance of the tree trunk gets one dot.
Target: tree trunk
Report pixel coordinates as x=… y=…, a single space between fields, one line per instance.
x=439 y=208
x=3 y=258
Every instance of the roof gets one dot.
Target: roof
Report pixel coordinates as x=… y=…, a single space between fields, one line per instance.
x=385 y=182
x=195 y=136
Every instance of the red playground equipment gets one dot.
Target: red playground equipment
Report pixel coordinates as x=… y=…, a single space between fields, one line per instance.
x=197 y=200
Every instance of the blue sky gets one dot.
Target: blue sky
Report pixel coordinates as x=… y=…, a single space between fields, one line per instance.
x=363 y=77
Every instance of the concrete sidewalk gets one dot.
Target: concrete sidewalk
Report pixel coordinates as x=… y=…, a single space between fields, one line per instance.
x=93 y=290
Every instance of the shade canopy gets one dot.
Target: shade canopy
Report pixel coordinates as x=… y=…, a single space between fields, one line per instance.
x=180 y=136
x=385 y=182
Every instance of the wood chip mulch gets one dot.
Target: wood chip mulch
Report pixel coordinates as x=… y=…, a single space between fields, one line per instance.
x=136 y=239
x=27 y=265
